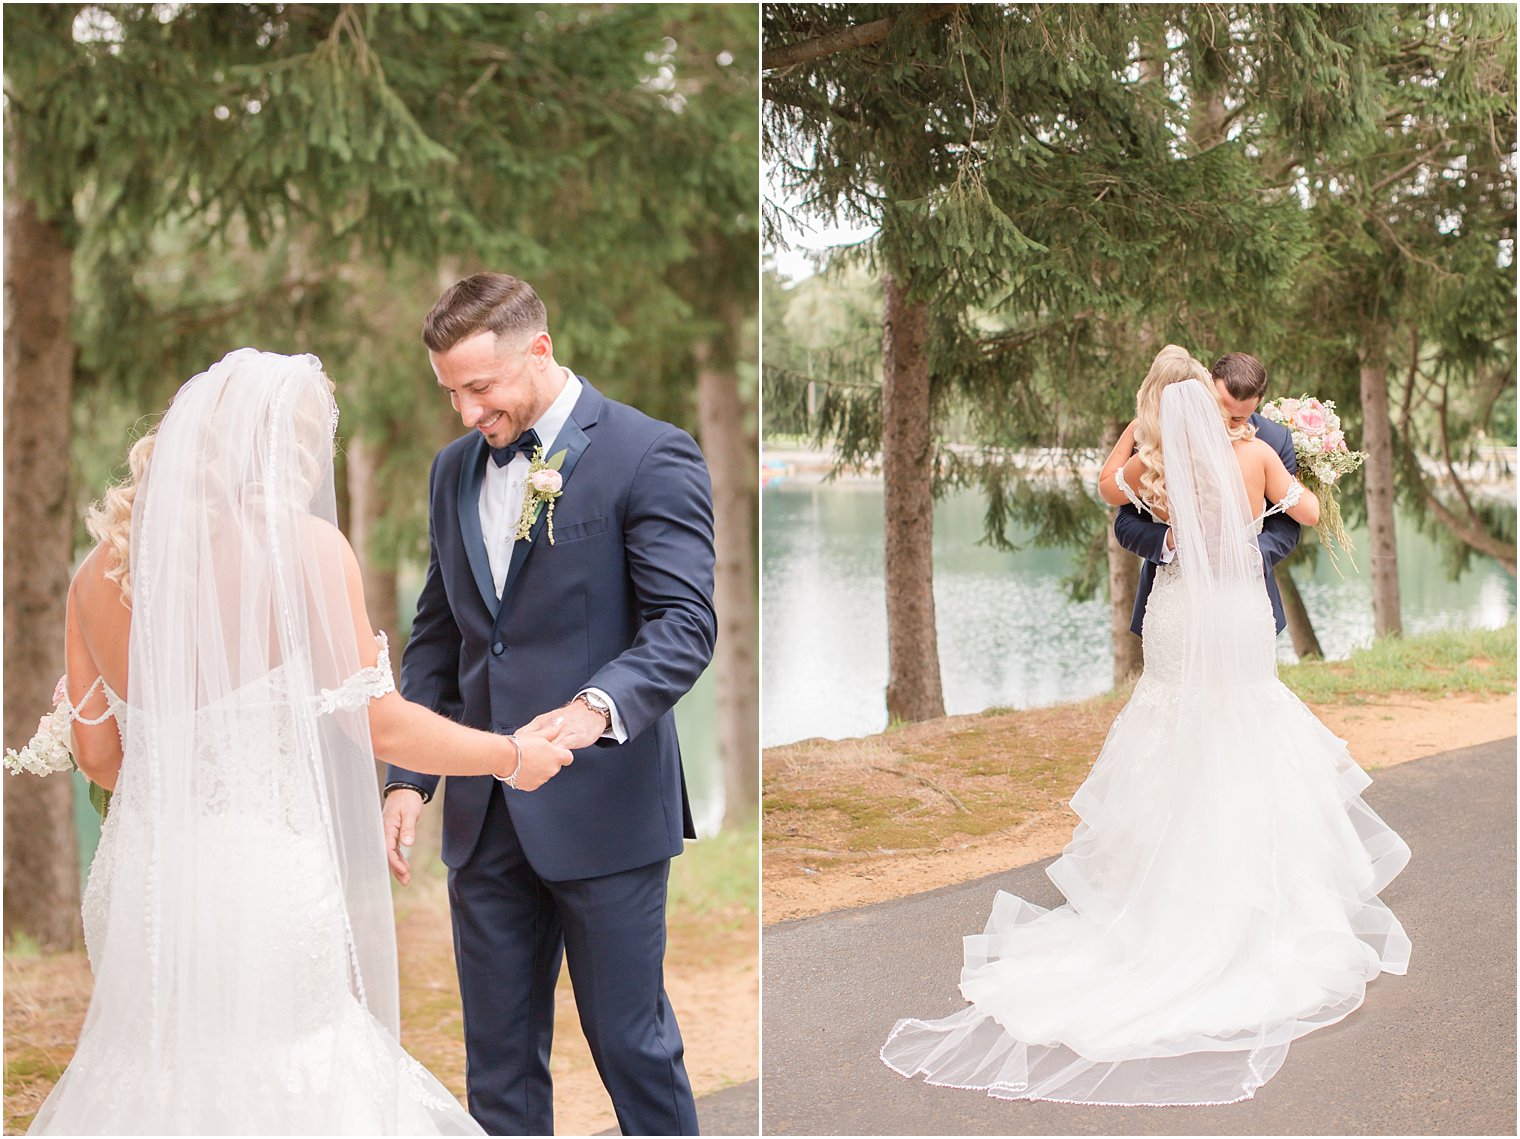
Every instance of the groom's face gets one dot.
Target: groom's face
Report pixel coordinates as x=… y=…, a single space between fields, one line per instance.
x=499 y=389
x=1239 y=410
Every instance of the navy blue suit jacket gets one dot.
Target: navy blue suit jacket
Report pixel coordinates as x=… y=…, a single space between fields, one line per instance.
x=1142 y=535
x=622 y=601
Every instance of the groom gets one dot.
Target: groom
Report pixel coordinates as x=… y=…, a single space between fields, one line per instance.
x=601 y=617
x=1241 y=381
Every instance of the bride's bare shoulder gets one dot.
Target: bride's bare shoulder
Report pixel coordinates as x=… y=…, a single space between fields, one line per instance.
x=332 y=543
x=91 y=584
x=98 y=607
x=1256 y=451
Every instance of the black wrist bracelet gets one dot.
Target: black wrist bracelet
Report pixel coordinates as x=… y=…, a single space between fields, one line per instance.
x=427 y=796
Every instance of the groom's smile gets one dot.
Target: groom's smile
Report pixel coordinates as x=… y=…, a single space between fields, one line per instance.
x=499 y=385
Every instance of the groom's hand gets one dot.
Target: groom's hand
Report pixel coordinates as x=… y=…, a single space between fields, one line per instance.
x=582 y=726
x=403 y=808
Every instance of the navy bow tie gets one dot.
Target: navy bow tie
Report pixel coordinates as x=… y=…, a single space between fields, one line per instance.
x=526 y=444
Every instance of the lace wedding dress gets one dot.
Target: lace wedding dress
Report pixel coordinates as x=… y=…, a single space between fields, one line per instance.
x=237 y=915
x=1222 y=883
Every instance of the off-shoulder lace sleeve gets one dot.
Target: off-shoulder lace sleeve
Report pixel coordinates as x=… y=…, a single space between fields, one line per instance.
x=362 y=686
x=1289 y=500
x=51 y=748
x=1123 y=484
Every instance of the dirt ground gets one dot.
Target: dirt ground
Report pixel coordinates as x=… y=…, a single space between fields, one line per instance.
x=711 y=973
x=852 y=822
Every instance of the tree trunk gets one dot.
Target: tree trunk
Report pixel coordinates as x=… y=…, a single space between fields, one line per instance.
x=41 y=850
x=1377 y=440
x=914 y=691
x=1300 y=628
x=360 y=501
x=1123 y=583
x=732 y=459
x=365 y=509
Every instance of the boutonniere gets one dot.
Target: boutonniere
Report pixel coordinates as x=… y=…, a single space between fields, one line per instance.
x=544 y=485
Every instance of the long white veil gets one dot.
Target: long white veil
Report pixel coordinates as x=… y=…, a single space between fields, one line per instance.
x=1215 y=531
x=239 y=915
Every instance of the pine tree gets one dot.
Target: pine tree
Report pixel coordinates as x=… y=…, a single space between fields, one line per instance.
x=1059 y=191
x=307 y=178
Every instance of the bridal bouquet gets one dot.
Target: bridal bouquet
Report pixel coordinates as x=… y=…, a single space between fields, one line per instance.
x=49 y=749
x=1323 y=457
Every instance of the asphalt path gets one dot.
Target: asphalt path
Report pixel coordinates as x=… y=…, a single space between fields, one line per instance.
x=1431 y=1053
x=733 y=1111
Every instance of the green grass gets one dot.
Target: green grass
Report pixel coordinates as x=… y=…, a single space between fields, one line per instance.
x=719 y=875
x=20 y=944
x=1453 y=661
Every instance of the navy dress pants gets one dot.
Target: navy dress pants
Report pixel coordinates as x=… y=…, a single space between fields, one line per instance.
x=511 y=929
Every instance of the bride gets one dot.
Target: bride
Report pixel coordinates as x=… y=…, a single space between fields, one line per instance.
x=226 y=685
x=1222 y=883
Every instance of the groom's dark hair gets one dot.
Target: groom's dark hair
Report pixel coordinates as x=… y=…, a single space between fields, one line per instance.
x=1244 y=376
x=494 y=302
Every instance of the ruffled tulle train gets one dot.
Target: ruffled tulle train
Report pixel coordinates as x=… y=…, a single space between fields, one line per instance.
x=1221 y=902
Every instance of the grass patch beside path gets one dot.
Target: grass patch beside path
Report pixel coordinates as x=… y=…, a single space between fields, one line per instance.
x=1459 y=660
x=922 y=786
x=919 y=788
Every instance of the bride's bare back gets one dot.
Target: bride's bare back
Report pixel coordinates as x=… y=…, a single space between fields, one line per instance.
x=98 y=625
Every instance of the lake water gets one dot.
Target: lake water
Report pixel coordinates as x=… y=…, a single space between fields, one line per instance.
x=1008 y=635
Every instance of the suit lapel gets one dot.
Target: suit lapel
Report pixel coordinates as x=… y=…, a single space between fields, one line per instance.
x=573 y=441
x=471 y=475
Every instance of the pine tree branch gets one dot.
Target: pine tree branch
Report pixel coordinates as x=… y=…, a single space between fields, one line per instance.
x=1469 y=531
x=845 y=39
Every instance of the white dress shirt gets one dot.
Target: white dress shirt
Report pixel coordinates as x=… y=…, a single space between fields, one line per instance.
x=501 y=503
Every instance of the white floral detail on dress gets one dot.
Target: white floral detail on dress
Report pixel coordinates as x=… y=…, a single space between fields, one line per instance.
x=1123 y=484
x=362 y=686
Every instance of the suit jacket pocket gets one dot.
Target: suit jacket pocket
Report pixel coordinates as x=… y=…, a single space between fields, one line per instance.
x=574 y=531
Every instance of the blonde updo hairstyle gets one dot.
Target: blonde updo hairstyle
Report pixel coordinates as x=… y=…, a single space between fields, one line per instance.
x=1171 y=365
x=109 y=520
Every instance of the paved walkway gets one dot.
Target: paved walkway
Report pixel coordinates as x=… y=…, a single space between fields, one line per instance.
x=733 y=1111
x=1432 y=1053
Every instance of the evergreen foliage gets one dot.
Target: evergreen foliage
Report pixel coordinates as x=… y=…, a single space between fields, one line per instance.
x=1072 y=186
x=307 y=177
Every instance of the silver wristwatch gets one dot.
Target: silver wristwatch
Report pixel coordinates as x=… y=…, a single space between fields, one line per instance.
x=597 y=703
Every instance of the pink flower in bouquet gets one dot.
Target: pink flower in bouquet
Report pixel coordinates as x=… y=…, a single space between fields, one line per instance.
x=1336 y=440
x=61 y=690
x=1311 y=418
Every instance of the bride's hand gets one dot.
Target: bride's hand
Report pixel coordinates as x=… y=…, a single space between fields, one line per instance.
x=542 y=756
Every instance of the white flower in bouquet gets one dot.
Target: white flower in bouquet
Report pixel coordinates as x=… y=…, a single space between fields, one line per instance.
x=48 y=750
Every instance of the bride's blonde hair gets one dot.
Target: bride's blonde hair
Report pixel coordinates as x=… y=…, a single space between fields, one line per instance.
x=109 y=520
x=1171 y=365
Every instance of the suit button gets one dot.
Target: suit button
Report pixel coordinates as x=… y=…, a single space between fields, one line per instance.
x=498 y=648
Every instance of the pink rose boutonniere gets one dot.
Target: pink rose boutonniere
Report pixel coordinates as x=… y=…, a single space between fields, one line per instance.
x=544 y=485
